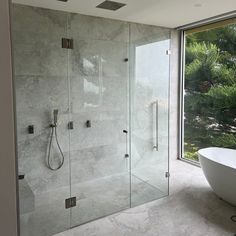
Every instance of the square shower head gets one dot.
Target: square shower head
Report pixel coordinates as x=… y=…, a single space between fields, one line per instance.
x=111 y=5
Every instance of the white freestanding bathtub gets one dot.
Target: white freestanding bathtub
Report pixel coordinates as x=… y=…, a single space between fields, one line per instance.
x=219 y=167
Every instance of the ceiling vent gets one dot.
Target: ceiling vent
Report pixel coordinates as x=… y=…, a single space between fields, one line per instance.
x=110 y=5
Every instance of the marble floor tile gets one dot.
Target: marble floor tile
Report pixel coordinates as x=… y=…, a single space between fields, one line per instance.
x=192 y=209
x=95 y=198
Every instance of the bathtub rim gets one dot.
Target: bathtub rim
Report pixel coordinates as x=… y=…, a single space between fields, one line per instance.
x=200 y=155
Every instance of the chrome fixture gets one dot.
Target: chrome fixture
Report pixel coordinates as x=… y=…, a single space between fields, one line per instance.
x=156 y=103
x=88 y=124
x=31 y=129
x=71 y=125
x=55 y=115
x=54 y=131
x=67 y=43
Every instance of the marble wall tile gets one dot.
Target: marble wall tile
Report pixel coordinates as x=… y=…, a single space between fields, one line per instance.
x=98 y=162
x=89 y=94
x=40 y=57
x=41 y=94
x=98 y=58
x=90 y=27
x=38 y=21
x=141 y=33
x=102 y=132
x=37 y=37
x=32 y=154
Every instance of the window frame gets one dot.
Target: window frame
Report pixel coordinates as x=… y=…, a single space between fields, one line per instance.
x=181 y=100
x=198 y=27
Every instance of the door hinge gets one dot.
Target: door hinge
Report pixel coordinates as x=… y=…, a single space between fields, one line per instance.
x=67 y=43
x=167 y=175
x=70 y=202
x=168 y=52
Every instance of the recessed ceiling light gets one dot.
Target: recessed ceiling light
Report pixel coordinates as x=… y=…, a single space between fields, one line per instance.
x=111 y=5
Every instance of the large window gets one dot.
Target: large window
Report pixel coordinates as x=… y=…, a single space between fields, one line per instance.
x=209 y=104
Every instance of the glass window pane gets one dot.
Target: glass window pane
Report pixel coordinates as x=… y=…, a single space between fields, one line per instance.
x=210 y=89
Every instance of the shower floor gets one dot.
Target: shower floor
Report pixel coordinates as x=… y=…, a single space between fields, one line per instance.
x=96 y=198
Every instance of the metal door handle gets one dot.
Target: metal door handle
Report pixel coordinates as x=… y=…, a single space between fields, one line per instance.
x=157 y=106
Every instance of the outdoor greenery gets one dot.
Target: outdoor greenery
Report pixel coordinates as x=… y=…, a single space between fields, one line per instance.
x=210 y=90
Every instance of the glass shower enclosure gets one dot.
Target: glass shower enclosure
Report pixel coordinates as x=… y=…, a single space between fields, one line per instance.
x=92 y=108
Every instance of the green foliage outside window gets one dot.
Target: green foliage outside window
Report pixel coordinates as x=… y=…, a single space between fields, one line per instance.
x=210 y=90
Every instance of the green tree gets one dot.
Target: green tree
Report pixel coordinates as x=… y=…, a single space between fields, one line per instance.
x=210 y=90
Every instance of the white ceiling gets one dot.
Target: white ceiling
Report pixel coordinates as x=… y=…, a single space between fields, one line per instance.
x=168 y=13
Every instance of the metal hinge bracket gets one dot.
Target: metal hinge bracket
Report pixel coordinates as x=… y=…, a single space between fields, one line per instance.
x=67 y=43
x=167 y=175
x=70 y=202
x=168 y=52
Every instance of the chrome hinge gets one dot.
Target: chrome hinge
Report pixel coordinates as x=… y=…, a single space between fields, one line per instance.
x=168 y=52
x=167 y=175
x=70 y=202
x=67 y=43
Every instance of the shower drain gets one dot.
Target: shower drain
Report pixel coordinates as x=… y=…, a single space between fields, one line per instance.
x=233 y=218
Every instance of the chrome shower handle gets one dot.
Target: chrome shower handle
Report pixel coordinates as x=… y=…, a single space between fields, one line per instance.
x=156 y=103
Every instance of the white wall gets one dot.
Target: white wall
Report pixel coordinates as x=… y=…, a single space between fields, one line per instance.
x=8 y=215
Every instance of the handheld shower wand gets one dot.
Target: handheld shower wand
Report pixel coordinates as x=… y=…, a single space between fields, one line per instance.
x=54 y=130
x=55 y=115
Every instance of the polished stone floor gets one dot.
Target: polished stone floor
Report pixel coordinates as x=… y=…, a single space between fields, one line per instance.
x=95 y=198
x=192 y=209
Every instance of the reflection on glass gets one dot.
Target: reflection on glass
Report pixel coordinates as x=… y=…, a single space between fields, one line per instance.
x=149 y=121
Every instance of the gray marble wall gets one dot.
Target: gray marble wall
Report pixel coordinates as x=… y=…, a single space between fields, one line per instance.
x=87 y=83
x=91 y=82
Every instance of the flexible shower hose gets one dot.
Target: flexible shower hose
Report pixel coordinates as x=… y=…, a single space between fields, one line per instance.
x=54 y=128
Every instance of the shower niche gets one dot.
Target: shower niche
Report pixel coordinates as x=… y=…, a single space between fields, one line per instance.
x=96 y=92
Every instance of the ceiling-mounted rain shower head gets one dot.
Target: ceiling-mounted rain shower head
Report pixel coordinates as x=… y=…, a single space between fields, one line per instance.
x=111 y=5
x=62 y=0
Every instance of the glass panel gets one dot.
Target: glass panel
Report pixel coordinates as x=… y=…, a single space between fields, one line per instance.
x=41 y=86
x=90 y=87
x=149 y=116
x=210 y=89
x=99 y=103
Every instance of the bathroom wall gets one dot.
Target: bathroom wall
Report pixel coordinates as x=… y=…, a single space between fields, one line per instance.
x=8 y=200
x=98 y=76
x=89 y=82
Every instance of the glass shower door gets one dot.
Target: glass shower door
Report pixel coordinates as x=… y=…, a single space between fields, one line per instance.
x=98 y=74
x=41 y=86
x=149 y=86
